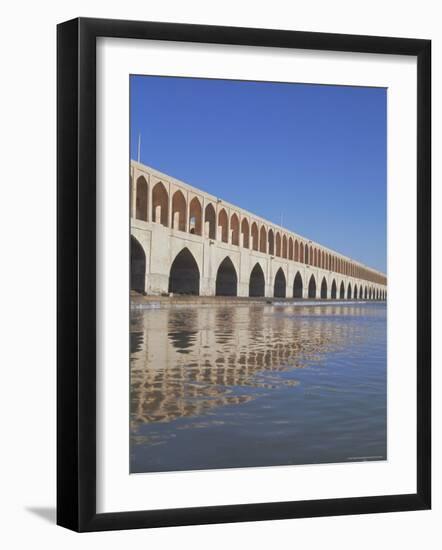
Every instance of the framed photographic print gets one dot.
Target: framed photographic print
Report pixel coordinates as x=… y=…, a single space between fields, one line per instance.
x=243 y=274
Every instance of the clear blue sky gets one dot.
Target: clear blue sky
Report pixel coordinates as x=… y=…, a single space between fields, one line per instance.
x=314 y=154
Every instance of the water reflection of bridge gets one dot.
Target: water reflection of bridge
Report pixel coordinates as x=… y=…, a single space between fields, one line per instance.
x=187 y=361
x=186 y=241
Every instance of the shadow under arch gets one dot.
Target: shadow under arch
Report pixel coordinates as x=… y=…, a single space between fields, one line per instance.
x=184 y=277
x=257 y=282
x=323 y=288
x=312 y=287
x=342 y=291
x=137 y=266
x=333 y=290
x=280 y=284
x=297 y=286
x=226 y=279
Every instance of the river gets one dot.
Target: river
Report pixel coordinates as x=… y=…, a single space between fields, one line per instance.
x=247 y=385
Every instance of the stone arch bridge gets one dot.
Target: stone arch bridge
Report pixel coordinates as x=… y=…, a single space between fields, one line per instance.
x=186 y=241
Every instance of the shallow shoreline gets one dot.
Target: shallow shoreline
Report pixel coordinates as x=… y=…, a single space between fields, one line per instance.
x=137 y=301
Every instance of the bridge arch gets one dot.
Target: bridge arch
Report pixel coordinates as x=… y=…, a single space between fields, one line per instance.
x=263 y=239
x=234 y=229
x=160 y=204
x=223 y=224
x=342 y=291
x=137 y=266
x=279 y=288
x=278 y=244
x=297 y=258
x=312 y=287
x=226 y=279
x=195 y=216
x=184 y=277
x=210 y=221
x=324 y=288
x=245 y=231
x=355 y=292
x=141 y=199
x=257 y=281
x=333 y=290
x=254 y=236
x=361 y=293
x=349 y=292
x=365 y=293
x=271 y=239
x=284 y=246
x=306 y=254
x=290 y=248
x=179 y=208
x=297 y=286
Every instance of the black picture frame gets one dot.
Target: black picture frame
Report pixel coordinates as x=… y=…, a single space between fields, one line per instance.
x=76 y=274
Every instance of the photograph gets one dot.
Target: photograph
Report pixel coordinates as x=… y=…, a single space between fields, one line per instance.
x=258 y=286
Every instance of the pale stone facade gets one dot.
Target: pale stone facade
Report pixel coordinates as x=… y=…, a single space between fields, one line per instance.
x=185 y=240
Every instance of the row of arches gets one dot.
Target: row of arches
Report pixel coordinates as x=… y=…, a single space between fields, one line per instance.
x=184 y=278
x=237 y=230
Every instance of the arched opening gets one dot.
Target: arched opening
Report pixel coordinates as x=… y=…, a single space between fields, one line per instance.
x=245 y=232
x=184 y=275
x=279 y=287
x=195 y=213
x=179 y=211
x=263 y=239
x=305 y=254
x=254 y=236
x=311 y=255
x=271 y=242
x=315 y=257
x=284 y=246
x=333 y=290
x=234 y=229
x=141 y=209
x=297 y=259
x=312 y=287
x=160 y=206
x=290 y=248
x=342 y=291
x=365 y=293
x=210 y=222
x=349 y=292
x=257 y=282
x=278 y=244
x=355 y=293
x=360 y=293
x=137 y=266
x=223 y=225
x=226 y=279
x=324 y=288
x=297 y=286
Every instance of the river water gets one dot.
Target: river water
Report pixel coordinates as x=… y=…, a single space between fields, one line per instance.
x=224 y=386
